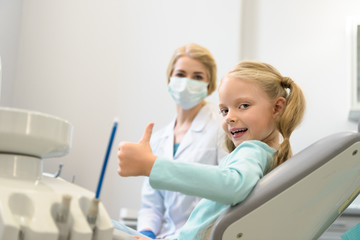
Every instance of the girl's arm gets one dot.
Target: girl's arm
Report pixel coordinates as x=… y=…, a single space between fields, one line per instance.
x=229 y=183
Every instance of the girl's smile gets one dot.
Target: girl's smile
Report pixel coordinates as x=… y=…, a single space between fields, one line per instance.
x=238 y=132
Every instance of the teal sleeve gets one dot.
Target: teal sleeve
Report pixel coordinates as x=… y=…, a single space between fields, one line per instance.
x=228 y=183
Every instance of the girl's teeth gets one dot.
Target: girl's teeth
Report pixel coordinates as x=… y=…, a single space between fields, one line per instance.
x=237 y=131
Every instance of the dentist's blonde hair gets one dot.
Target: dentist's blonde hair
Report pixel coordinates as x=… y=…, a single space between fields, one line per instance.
x=275 y=85
x=201 y=54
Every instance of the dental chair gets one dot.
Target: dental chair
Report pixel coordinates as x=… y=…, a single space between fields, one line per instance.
x=301 y=198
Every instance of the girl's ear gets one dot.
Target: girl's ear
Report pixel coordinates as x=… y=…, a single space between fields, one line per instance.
x=279 y=106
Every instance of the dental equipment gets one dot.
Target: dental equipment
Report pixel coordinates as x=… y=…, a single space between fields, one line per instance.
x=34 y=206
x=94 y=207
x=113 y=131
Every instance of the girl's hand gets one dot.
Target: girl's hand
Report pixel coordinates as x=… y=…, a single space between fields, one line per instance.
x=136 y=159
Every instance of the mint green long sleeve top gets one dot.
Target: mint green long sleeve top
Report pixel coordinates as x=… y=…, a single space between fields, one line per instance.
x=220 y=186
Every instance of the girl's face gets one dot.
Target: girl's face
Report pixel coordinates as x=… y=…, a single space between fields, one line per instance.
x=248 y=113
x=187 y=67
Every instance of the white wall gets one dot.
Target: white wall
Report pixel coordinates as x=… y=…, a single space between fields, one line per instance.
x=10 y=18
x=89 y=61
x=307 y=41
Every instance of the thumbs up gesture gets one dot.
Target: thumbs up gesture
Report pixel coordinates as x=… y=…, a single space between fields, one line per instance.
x=136 y=159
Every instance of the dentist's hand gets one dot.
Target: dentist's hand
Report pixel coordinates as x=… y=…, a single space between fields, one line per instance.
x=144 y=238
x=136 y=159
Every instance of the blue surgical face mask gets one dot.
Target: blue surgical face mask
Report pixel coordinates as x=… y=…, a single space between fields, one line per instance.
x=187 y=92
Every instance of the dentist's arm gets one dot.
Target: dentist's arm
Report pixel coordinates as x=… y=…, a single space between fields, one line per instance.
x=136 y=159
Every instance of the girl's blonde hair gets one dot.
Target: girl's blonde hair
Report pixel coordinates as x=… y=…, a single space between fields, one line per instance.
x=199 y=53
x=275 y=85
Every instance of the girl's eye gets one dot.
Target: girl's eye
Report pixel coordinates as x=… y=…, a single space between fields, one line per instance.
x=244 y=106
x=223 y=112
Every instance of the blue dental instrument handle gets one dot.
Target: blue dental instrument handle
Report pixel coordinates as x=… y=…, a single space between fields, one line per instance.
x=98 y=190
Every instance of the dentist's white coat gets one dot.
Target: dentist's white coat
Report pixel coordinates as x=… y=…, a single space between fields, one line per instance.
x=166 y=212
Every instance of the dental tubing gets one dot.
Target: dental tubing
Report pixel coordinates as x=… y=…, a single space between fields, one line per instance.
x=98 y=190
x=94 y=205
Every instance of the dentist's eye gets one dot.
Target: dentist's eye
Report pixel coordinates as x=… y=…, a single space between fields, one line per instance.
x=198 y=77
x=180 y=75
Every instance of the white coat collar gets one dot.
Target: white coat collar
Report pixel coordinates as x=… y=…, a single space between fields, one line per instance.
x=198 y=125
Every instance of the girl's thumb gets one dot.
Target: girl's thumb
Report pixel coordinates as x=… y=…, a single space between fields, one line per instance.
x=147 y=134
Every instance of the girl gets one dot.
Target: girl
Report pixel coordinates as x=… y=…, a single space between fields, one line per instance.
x=259 y=107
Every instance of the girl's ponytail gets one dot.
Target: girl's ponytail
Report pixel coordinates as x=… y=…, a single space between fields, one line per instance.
x=289 y=119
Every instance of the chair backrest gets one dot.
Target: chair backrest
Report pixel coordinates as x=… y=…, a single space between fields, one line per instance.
x=300 y=198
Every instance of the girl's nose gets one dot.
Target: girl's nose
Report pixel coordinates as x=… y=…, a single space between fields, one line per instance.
x=230 y=118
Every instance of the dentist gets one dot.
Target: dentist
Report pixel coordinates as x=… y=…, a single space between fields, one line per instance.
x=193 y=135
